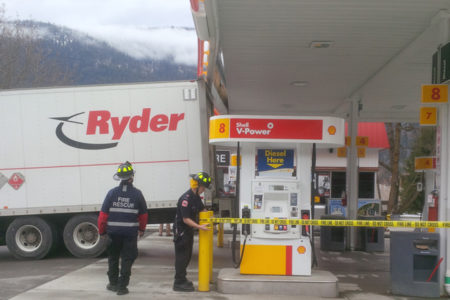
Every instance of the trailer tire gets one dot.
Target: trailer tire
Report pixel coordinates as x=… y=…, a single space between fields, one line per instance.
x=30 y=238
x=81 y=236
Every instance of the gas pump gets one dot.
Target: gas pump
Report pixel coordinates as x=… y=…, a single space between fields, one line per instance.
x=433 y=205
x=275 y=183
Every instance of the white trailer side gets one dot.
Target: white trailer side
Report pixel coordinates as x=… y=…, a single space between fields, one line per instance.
x=61 y=146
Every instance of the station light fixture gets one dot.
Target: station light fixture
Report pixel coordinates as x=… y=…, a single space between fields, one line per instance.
x=321 y=44
x=299 y=83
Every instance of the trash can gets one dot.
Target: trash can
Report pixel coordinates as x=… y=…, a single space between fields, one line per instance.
x=332 y=238
x=370 y=239
x=415 y=263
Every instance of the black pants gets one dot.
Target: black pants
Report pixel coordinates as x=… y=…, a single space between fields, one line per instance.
x=183 y=254
x=125 y=248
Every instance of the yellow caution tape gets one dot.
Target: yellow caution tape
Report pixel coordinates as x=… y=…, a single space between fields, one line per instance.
x=348 y=223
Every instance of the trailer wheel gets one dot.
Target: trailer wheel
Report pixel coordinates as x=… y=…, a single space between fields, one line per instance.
x=30 y=238
x=81 y=236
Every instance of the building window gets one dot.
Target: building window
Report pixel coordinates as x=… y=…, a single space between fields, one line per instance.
x=366 y=188
x=337 y=184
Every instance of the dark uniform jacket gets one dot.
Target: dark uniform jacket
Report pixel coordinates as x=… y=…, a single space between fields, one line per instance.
x=188 y=206
x=124 y=211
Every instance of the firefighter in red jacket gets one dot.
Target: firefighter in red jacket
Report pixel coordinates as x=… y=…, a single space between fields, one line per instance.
x=123 y=218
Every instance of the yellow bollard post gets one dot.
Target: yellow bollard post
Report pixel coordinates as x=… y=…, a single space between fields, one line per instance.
x=211 y=247
x=203 y=255
x=220 y=235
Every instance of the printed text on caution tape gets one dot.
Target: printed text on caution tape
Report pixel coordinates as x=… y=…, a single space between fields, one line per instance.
x=349 y=223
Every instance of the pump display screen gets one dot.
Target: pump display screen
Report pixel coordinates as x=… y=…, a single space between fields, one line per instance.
x=278 y=187
x=276 y=209
x=293 y=199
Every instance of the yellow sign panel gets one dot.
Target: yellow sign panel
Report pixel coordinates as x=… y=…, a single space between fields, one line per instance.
x=219 y=128
x=362 y=141
x=424 y=163
x=428 y=116
x=342 y=152
x=264 y=259
x=348 y=141
x=361 y=152
x=234 y=160
x=434 y=93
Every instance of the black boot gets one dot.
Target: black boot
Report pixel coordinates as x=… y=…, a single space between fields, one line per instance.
x=112 y=287
x=122 y=291
x=184 y=286
x=113 y=281
x=122 y=285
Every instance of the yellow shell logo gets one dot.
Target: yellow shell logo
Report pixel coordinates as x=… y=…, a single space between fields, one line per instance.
x=332 y=130
x=301 y=249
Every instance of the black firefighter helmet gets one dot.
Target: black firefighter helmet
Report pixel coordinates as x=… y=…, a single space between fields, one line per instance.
x=202 y=179
x=124 y=171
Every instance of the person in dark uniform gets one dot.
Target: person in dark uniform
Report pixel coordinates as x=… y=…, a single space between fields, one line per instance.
x=188 y=207
x=123 y=218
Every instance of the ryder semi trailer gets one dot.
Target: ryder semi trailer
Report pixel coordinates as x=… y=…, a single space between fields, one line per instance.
x=60 y=148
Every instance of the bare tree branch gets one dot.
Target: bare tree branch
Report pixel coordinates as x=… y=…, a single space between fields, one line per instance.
x=23 y=61
x=386 y=166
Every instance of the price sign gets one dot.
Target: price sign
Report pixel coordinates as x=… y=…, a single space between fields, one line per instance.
x=434 y=93
x=348 y=141
x=342 y=152
x=425 y=163
x=219 y=128
x=428 y=116
x=361 y=152
x=362 y=141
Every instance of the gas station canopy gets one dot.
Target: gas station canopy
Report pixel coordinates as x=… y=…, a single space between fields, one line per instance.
x=359 y=60
x=314 y=57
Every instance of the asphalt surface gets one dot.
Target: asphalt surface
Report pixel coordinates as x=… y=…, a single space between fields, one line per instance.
x=18 y=276
x=361 y=275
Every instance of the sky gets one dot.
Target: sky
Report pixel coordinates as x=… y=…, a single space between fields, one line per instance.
x=122 y=23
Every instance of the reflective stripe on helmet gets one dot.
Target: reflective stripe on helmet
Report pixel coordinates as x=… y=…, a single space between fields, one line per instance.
x=124 y=169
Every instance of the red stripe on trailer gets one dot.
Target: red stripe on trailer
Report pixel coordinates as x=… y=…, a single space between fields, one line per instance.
x=94 y=165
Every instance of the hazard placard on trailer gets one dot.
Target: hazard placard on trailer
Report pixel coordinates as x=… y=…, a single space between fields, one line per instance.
x=16 y=180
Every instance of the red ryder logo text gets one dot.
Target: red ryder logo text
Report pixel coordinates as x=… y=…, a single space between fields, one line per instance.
x=104 y=122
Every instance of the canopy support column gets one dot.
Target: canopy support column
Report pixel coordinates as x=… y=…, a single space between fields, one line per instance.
x=352 y=172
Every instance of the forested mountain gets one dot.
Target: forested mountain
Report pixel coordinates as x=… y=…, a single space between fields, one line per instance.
x=91 y=61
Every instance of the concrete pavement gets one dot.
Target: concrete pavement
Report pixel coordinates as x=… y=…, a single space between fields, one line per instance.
x=361 y=275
